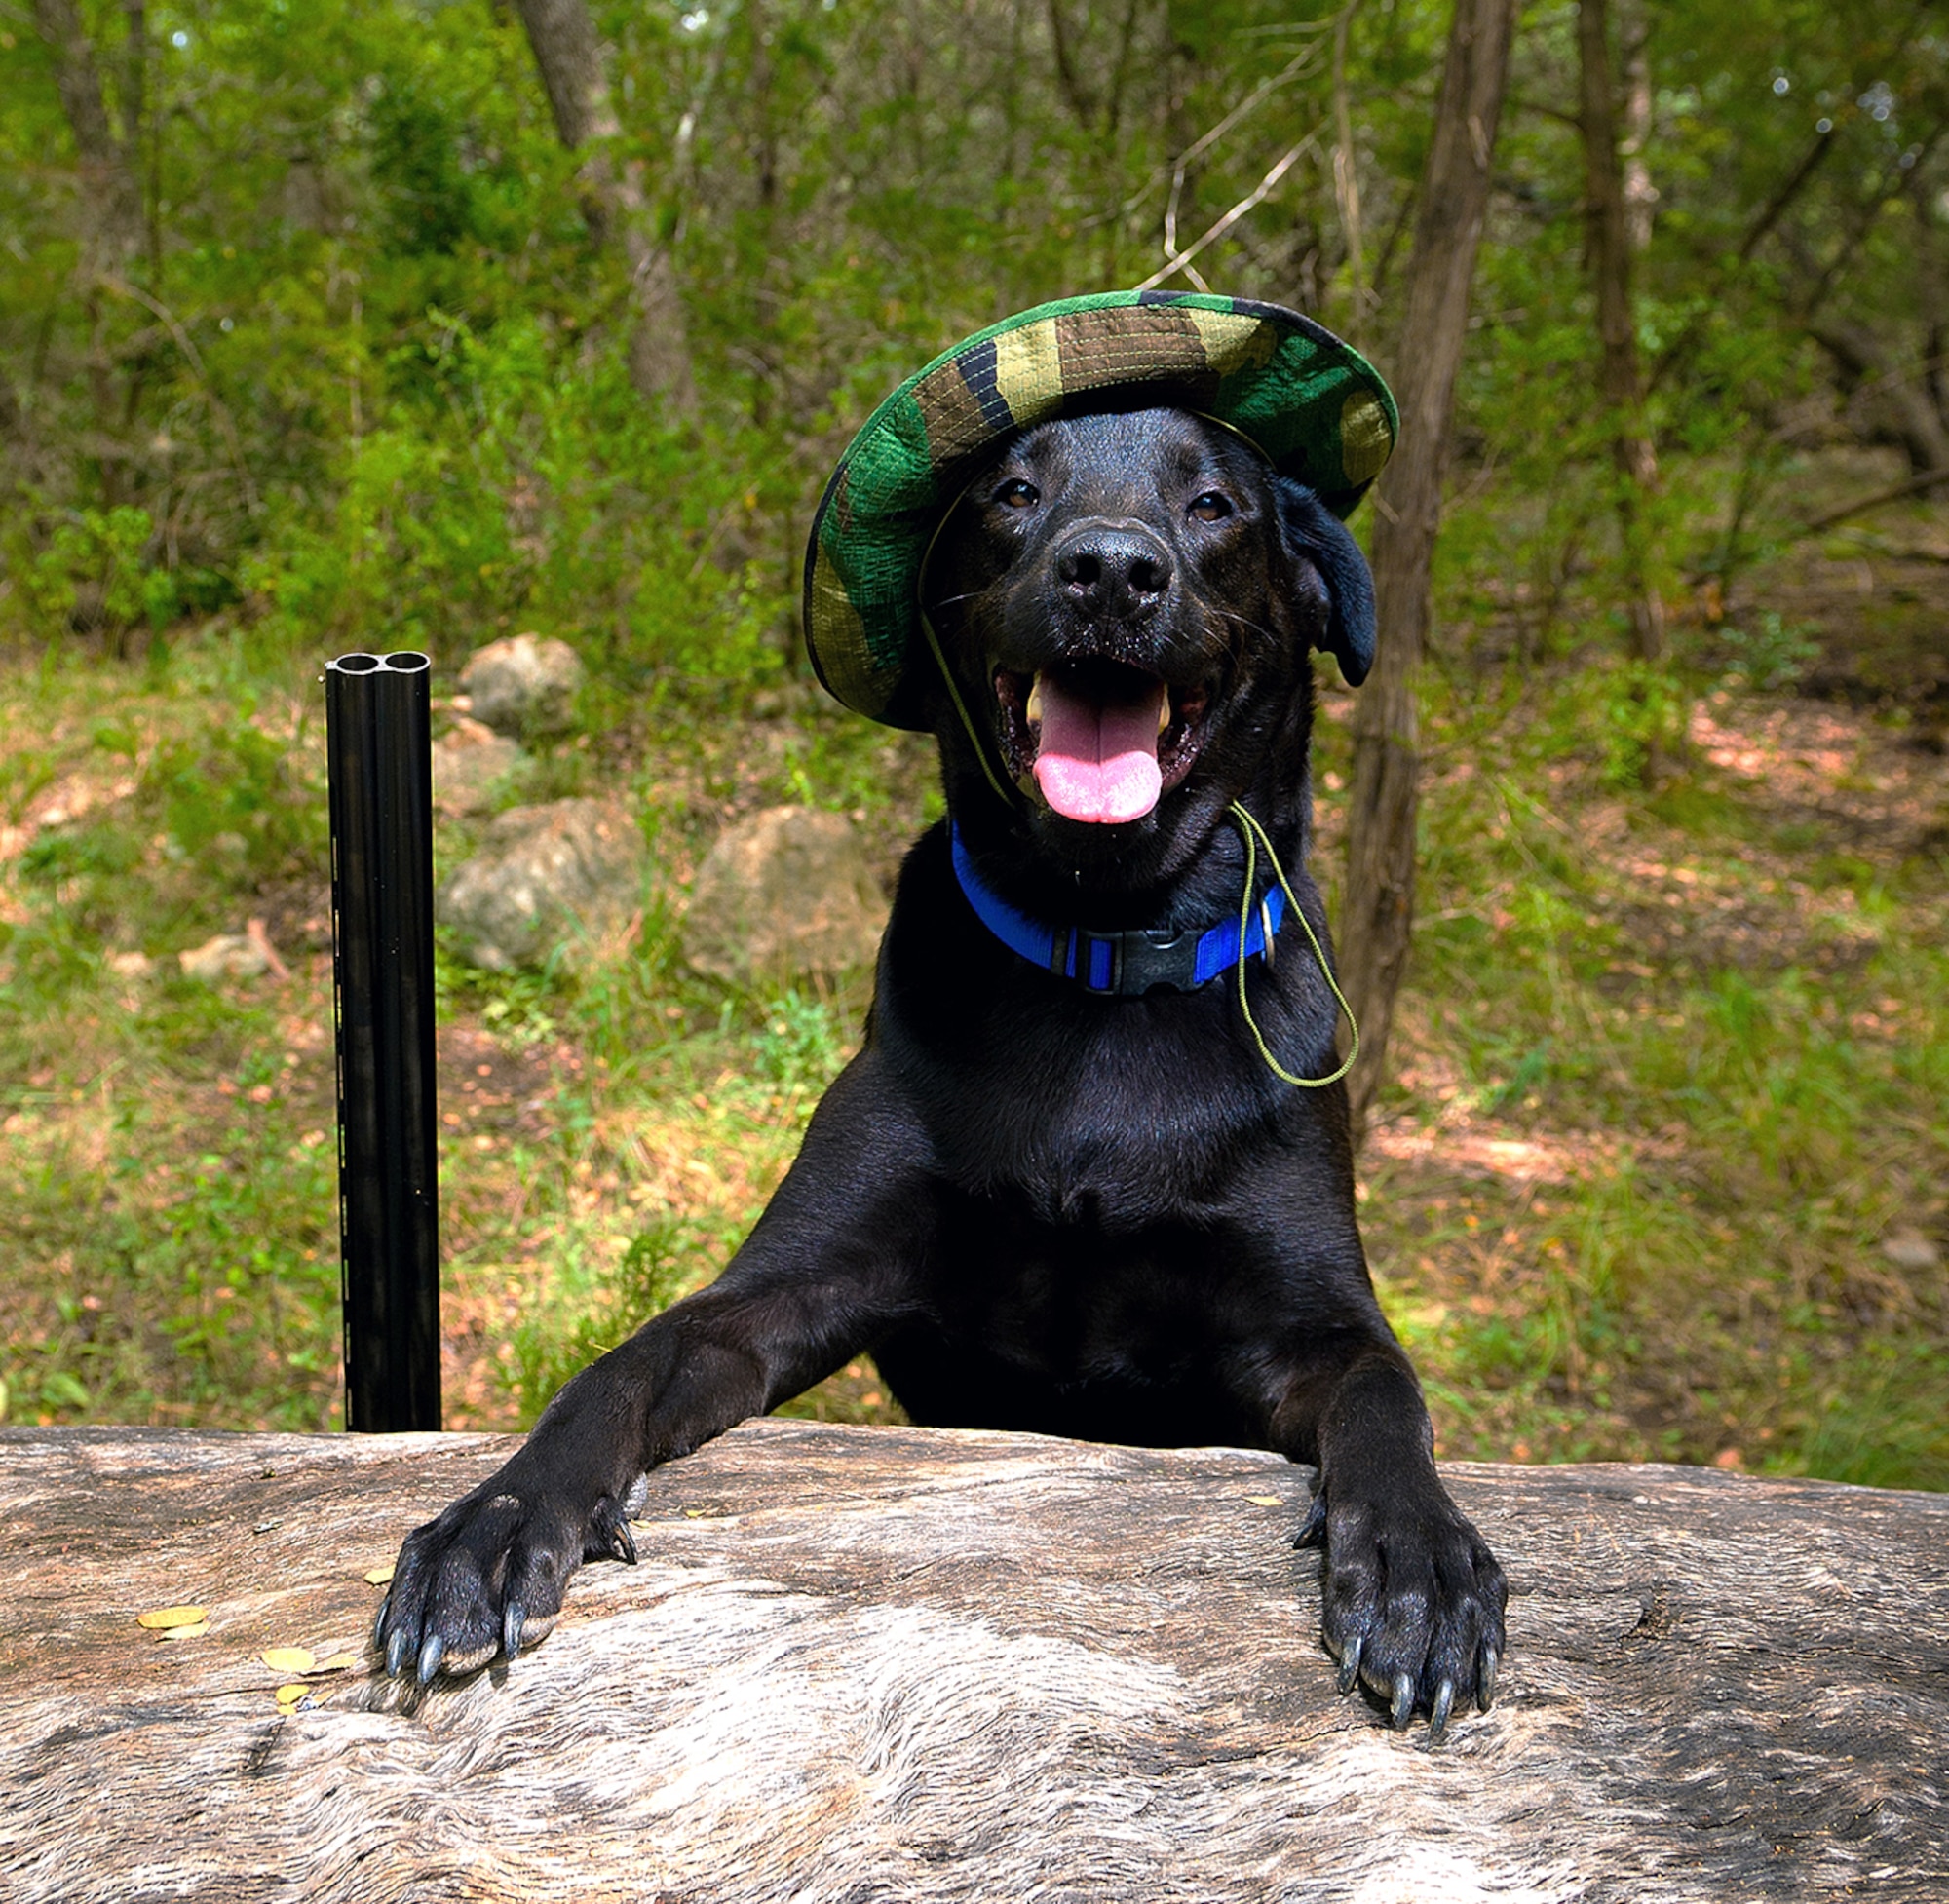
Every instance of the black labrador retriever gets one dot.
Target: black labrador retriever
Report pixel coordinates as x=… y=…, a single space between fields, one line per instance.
x=1101 y=1216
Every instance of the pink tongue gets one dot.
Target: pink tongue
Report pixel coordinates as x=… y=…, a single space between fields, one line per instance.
x=1098 y=762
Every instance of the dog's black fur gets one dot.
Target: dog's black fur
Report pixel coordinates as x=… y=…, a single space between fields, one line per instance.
x=1037 y=1208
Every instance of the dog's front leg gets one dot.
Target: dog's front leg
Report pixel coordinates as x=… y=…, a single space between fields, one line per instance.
x=828 y=1267
x=1412 y=1599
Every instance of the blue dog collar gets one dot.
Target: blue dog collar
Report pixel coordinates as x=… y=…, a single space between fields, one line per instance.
x=1118 y=964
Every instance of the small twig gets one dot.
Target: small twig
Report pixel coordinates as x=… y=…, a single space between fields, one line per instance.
x=1215 y=232
x=1293 y=67
x=253 y=931
x=1894 y=493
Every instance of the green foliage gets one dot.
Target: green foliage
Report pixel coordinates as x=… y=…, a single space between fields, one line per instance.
x=369 y=365
x=1644 y=712
x=599 y=1308
x=234 y=797
x=801 y=1045
x=95 y=569
x=1769 y=654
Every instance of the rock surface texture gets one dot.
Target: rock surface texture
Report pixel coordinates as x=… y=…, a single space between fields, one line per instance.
x=469 y=762
x=524 y=686
x=785 y=893
x=900 y=1665
x=554 y=879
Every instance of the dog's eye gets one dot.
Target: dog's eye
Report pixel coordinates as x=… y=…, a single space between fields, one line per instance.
x=1210 y=507
x=1018 y=494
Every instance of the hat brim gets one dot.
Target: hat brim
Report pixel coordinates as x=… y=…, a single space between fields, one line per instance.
x=1311 y=405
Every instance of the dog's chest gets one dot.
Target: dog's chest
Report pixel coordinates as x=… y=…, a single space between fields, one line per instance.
x=1112 y=1116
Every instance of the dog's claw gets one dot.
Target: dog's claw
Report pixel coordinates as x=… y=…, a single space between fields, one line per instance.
x=514 y=1617
x=609 y=1535
x=1485 y=1689
x=431 y=1656
x=1313 y=1530
x=1349 y=1664
x=1402 y=1708
x=1444 y=1704
x=397 y=1649
x=379 y=1621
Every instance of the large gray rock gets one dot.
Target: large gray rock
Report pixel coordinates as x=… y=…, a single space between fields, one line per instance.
x=546 y=879
x=783 y=893
x=469 y=761
x=524 y=685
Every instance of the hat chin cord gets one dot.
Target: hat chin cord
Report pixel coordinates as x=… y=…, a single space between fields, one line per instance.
x=981 y=747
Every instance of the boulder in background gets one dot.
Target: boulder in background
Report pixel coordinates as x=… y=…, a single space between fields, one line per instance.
x=468 y=761
x=785 y=893
x=557 y=877
x=524 y=686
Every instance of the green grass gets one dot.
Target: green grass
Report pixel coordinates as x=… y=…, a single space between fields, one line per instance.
x=1670 y=1069
x=1729 y=1027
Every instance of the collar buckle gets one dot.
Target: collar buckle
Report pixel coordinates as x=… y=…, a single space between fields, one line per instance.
x=1126 y=964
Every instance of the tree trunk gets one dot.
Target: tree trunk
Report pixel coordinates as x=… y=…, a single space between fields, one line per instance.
x=1640 y=194
x=109 y=207
x=1932 y=283
x=1377 y=909
x=1346 y=179
x=615 y=203
x=1608 y=252
x=111 y=190
x=921 y=1664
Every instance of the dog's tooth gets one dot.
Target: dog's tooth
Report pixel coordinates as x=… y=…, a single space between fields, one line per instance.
x=1163 y=711
x=1032 y=714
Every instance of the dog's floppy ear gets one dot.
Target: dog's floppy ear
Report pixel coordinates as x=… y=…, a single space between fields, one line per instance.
x=1314 y=534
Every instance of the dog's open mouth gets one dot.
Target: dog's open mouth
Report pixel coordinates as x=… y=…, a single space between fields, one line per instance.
x=1104 y=740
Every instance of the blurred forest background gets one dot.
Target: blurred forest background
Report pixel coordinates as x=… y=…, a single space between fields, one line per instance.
x=334 y=324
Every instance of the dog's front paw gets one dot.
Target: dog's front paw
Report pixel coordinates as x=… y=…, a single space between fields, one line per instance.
x=1412 y=1603
x=488 y=1576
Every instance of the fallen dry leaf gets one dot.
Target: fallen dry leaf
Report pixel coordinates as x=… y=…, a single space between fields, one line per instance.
x=162 y=1619
x=380 y=1576
x=292 y=1694
x=288 y=1659
x=1264 y=1500
x=188 y=1632
x=337 y=1663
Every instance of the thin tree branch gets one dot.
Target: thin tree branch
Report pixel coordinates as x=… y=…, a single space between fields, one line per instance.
x=1256 y=196
x=1306 y=56
x=1894 y=493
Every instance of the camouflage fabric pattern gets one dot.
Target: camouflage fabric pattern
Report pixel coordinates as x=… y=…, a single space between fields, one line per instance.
x=1315 y=407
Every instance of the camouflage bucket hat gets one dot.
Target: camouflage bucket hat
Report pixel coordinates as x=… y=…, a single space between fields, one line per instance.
x=1311 y=405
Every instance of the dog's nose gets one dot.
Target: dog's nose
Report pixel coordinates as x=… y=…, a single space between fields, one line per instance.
x=1112 y=571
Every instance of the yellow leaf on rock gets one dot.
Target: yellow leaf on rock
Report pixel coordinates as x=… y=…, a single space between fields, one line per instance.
x=290 y=1695
x=162 y=1619
x=337 y=1663
x=288 y=1659
x=185 y=1632
x=380 y=1576
x=1264 y=1500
